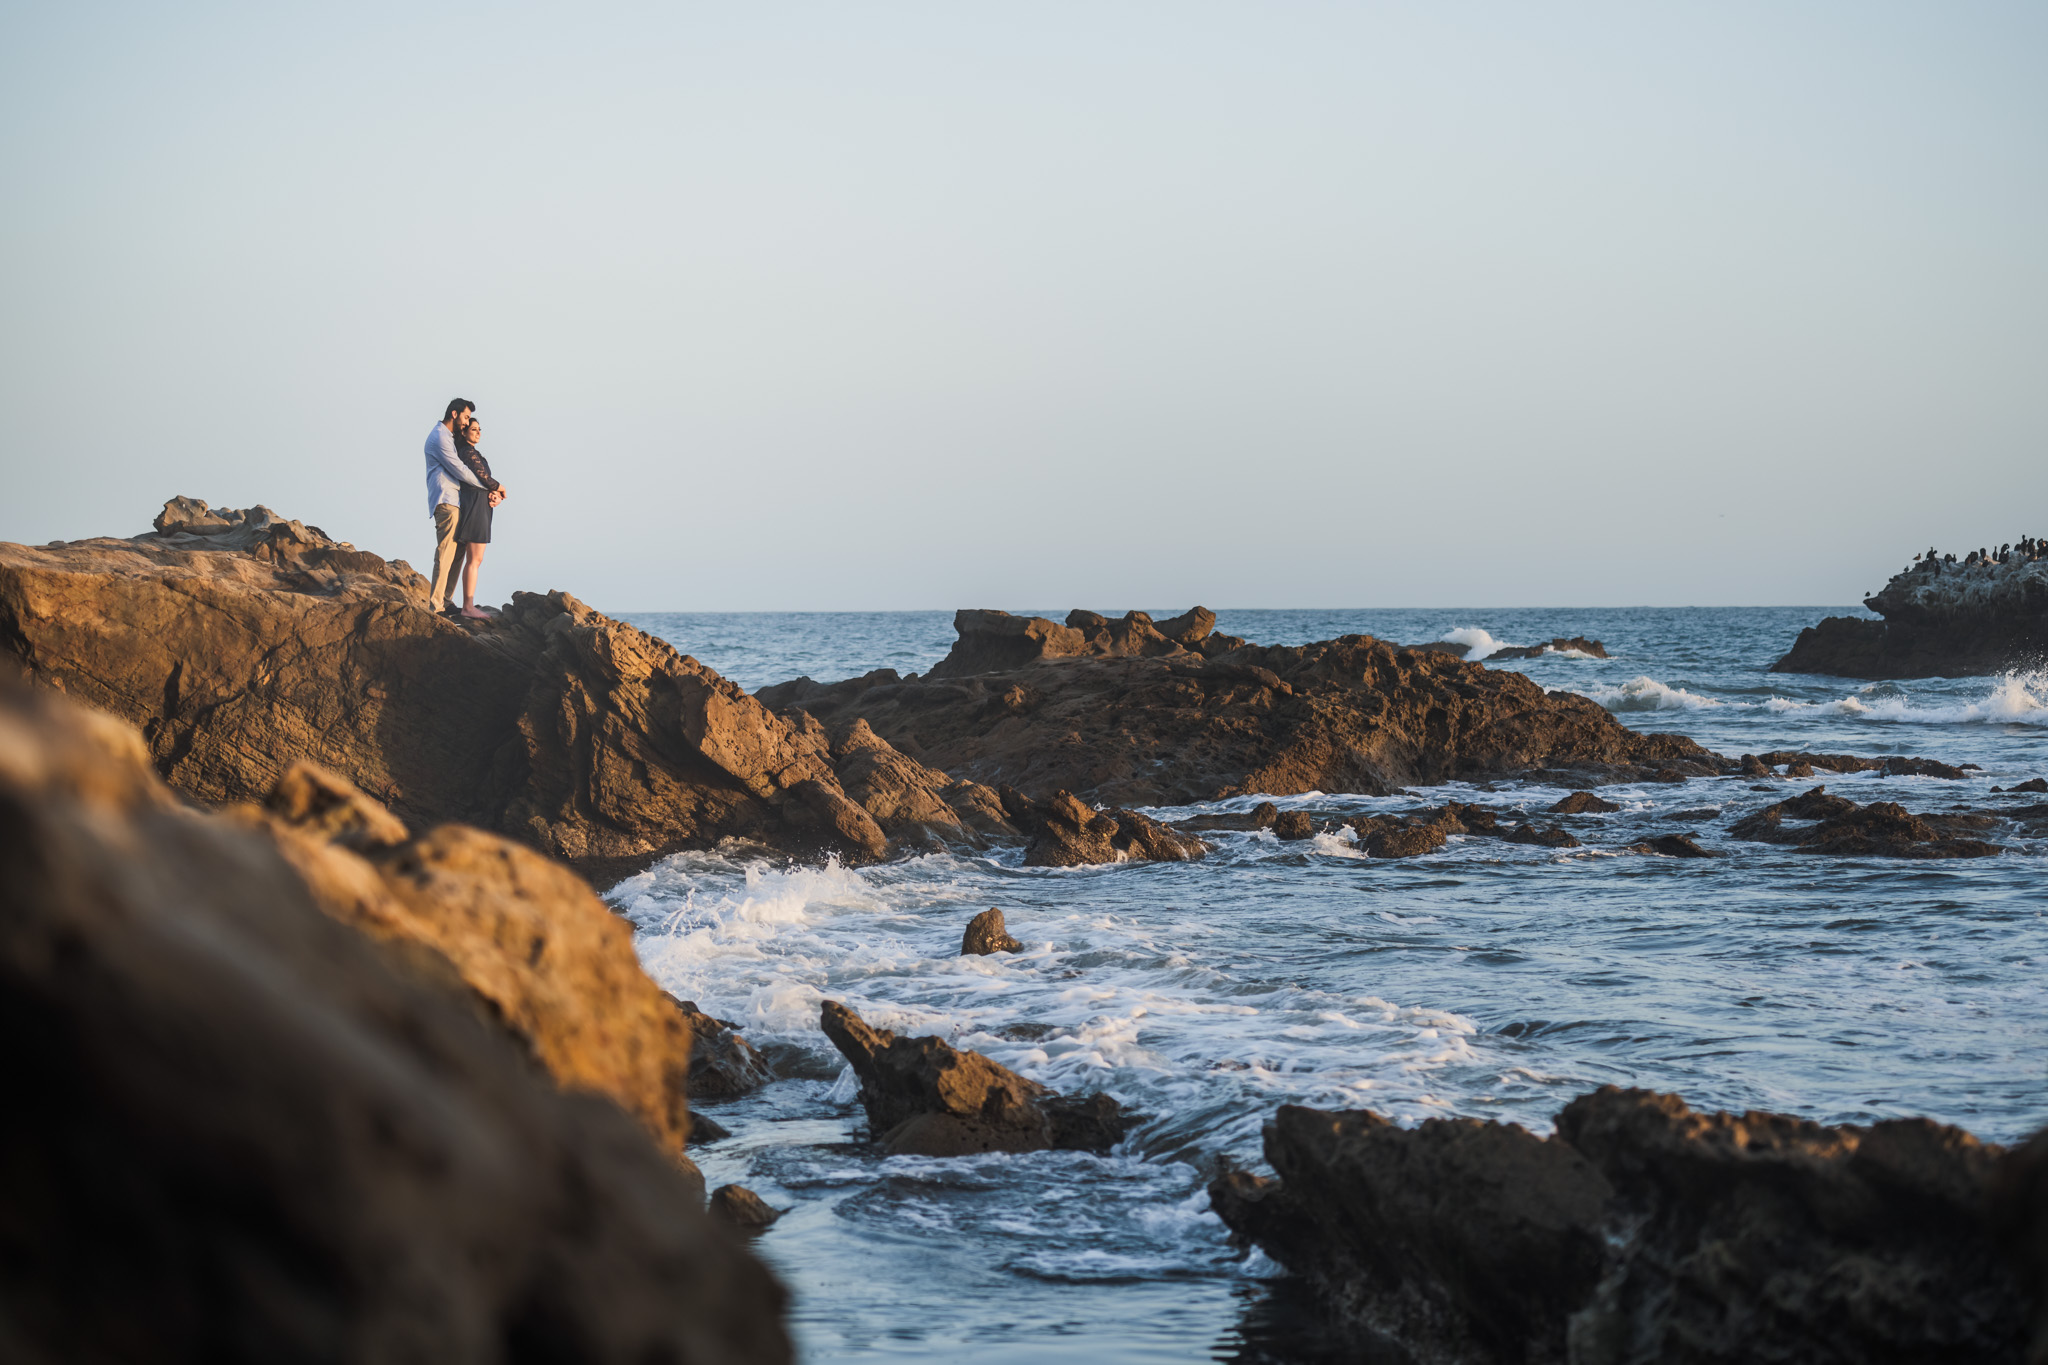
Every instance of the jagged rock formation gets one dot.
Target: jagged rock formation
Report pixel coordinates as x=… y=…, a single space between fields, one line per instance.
x=1882 y=829
x=925 y=1097
x=1067 y=832
x=986 y=935
x=1940 y=620
x=1642 y=1232
x=243 y=1131
x=997 y=642
x=722 y=1063
x=551 y=964
x=739 y=1207
x=239 y=642
x=1144 y=721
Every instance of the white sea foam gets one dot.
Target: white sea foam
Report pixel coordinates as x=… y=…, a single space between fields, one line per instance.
x=2013 y=699
x=1478 y=644
x=1647 y=694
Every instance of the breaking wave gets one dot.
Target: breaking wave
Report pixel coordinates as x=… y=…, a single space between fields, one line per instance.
x=1647 y=694
x=2015 y=698
x=1478 y=643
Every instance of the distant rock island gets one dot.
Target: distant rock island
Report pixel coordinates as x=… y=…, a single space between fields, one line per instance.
x=1943 y=617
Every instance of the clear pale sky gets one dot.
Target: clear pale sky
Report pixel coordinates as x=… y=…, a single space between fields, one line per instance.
x=889 y=305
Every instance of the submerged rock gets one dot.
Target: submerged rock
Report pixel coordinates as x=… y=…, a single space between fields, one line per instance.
x=245 y=1131
x=925 y=1097
x=1641 y=1232
x=239 y=643
x=739 y=1207
x=1554 y=837
x=1577 y=644
x=985 y=935
x=1882 y=829
x=1672 y=846
x=1583 y=803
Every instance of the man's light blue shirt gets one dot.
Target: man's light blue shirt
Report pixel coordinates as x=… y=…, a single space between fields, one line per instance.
x=445 y=472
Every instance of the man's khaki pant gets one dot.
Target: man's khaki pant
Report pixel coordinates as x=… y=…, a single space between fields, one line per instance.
x=445 y=517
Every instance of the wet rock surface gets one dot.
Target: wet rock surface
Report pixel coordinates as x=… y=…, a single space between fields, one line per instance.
x=240 y=642
x=1583 y=803
x=985 y=934
x=1672 y=846
x=1641 y=1232
x=1153 y=722
x=247 y=1131
x=925 y=1097
x=1835 y=825
x=723 y=1065
x=1941 y=619
x=1066 y=832
x=739 y=1207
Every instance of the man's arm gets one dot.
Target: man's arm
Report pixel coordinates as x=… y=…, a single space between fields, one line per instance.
x=444 y=455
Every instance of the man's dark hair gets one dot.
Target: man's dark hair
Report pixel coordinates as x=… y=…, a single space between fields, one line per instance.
x=456 y=405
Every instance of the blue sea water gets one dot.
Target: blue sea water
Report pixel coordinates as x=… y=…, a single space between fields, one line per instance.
x=1488 y=980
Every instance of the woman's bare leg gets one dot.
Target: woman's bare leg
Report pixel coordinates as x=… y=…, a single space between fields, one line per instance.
x=474 y=558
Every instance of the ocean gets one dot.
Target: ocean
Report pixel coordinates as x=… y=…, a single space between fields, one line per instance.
x=1489 y=980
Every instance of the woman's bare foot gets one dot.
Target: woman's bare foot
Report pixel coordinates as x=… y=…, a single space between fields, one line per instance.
x=475 y=614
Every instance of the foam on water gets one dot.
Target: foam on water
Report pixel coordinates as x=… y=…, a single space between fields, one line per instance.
x=1478 y=643
x=1487 y=979
x=2013 y=698
x=1647 y=694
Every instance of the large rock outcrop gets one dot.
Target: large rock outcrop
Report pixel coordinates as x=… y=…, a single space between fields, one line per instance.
x=1641 y=1232
x=238 y=1130
x=925 y=1097
x=239 y=642
x=1162 y=724
x=548 y=961
x=1941 y=619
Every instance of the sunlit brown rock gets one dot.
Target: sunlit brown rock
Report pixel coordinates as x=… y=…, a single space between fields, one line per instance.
x=246 y=1132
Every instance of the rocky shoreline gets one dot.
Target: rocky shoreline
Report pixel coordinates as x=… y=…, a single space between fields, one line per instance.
x=1942 y=617
x=1643 y=1231
x=295 y=914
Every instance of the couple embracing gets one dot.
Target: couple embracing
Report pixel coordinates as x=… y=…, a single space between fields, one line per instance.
x=461 y=495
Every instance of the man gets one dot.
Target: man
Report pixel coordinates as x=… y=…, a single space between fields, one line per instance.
x=445 y=476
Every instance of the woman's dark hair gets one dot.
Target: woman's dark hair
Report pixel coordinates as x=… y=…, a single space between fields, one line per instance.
x=456 y=405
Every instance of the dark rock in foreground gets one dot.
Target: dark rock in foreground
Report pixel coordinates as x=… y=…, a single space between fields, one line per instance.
x=925 y=1097
x=1882 y=829
x=1642 y=1232
x=239 y=1130
x=1162 y=724
x=1941 y=619
x=240 y=642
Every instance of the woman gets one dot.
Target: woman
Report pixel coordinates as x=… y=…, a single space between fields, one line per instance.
x=473 y=525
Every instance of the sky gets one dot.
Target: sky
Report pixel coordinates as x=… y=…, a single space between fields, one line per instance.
x=890 y=305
